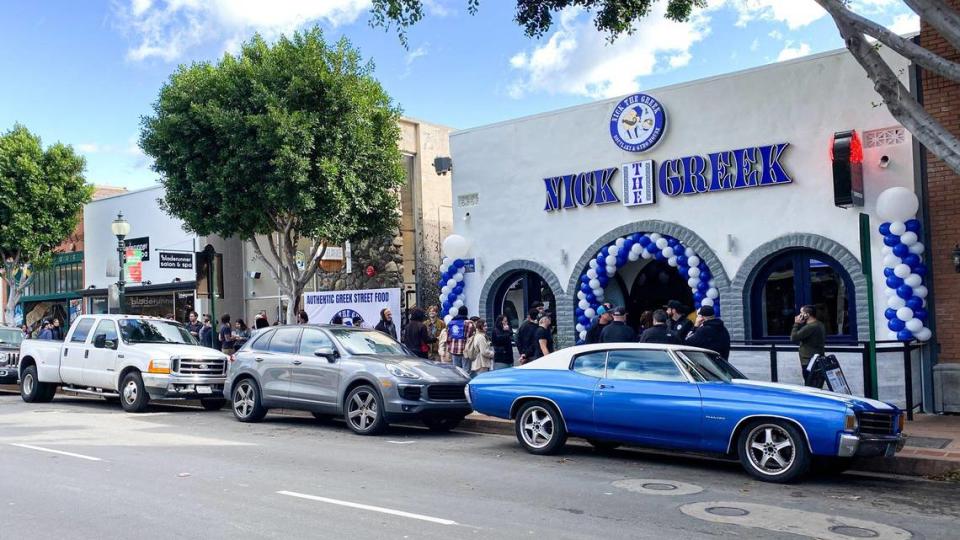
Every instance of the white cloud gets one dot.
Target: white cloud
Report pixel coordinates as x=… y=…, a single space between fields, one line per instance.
x=790 y=52
x=576 y=59
x=88 y=148
x=755 y=45
x=166 y=29
x=419 y=52
x=794 y=13
x=907 y=23
x=776 y=34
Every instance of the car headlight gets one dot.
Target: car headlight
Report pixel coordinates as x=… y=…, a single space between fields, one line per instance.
x=401 y=372
x=901 y=421
x=850 y=422
x=159 y=366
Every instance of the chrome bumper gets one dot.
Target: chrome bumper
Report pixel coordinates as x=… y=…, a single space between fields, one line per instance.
x=870 y=445
x=179 y=386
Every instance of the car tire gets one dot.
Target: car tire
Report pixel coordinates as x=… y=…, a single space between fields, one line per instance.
x=773 y=451
x=34 y=391
x=540 y=428
x=363 y=411
x=212 y=404
x=601 y=445
x=442 y=424
x=245 y=401
x=133 y=394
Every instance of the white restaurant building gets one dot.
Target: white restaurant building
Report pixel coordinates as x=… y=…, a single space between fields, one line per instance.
x=737 y=167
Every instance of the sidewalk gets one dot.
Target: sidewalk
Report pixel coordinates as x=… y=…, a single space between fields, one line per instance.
x=932 y=448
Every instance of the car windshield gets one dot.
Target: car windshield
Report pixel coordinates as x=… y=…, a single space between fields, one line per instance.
x=367 y=342
x=154 y=331
x=706 y=366
x=10 y=337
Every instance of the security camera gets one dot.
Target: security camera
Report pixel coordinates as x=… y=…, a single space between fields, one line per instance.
x=466 y=217
x=442 y=165
x=253 y=275
x=884 y=162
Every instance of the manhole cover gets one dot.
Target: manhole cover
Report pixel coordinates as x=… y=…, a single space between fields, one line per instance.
x=659 y=487
x=854 y=532
x=726 y=511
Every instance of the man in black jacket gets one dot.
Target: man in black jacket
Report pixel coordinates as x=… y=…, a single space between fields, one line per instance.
x=593 y=334
x=710 y=333
x=618 y=331
x=659 y=332
x=525 y=336
x=679 y=324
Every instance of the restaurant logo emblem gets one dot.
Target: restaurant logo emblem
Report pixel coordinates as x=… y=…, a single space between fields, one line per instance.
x=347 y=316
x=638 y=123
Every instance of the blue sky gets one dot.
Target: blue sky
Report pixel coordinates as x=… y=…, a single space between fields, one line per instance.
x=83 y=73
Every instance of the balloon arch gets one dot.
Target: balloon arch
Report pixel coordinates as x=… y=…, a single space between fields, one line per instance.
x=634 y=247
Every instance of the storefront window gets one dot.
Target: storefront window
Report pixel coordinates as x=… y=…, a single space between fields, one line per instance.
x=797 y=278
x=98 y=305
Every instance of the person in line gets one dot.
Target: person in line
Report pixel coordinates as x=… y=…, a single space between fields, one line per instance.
x=225 y=335
x=679 y=322
x=26 y=331
x=194 y=326
x=459 y=331
x=416 y=337
x=541 y=309
x=646 y=320
x=240 y=334
x=337 y=320
x=442 y=352
x=710 y=333
x=357 y=321
x=56 y=330
x=502 y=341
x=526 y=337
x=618 y=331
x=46 y=330
x=659 y=332
x=302 y=317
x=605 y=318
x=435 y=326
x=260 y=321
x=206 y=332
x=478 y=349
x=543 y=337
x=811 y=335
x=170 y=317
x=386 y=324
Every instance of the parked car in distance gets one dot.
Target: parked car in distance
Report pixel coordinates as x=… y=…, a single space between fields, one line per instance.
x=127 y=357
x=10 y=339
x=361 y=374
x=676 y=397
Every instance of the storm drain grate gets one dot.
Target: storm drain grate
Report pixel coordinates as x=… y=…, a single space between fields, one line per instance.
x=728 y=511
x=854 y=532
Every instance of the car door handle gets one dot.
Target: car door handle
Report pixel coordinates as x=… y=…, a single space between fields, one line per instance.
x=602 y=386
x=297 y=362
x=86 y=354
x=258 y=359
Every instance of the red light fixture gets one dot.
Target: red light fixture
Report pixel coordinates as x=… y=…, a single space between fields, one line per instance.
x=846 y=153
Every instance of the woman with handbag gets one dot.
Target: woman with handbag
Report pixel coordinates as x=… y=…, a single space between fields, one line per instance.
x=479 y=348
x=416 y=337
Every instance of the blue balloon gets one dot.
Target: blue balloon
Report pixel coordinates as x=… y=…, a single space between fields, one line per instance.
x=920 y=269
x=890 y=313
x=621 y=260
x=673 y=242
x=894 y=282
x=451 y=298
x=604 y=279
x=635 y=237
x=913 y=225
x=914 y=302
x=584 y=320
x=901 y=250
x=891 y=240
x=896 y=325
x=579 y=311
x=585 y=287
x=703 y=286
x=905 y=335
x=644 y=241
x=681 y=260
x=911 y=260
x=459 y=263
x=584 y=279
x=905 y=291
x=885 y=228
x=660 y=256
x=591 y=297
x=705 y=275
x=458 y=290
x=683 y=269
x=920 y=313
x=888 y=272
x=605 y=250
x=698 y=296
x=446 y=306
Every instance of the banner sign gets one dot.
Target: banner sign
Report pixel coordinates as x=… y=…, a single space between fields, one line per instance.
x=638 y=183
x=142 y=244
x=134 y=265
x=322 y=307
x=179 y=261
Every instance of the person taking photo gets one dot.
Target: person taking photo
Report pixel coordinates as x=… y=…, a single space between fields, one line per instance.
x=810 y=334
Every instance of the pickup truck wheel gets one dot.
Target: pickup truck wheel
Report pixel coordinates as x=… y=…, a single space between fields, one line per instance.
x=212 y=404
x=246 y=402
x=364 y=411
x=34 y=391
x=540 y=428
x=133 y=395
x=773 y=451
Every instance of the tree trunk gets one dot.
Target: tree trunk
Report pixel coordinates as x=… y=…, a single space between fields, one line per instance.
x=293 y=304
x=10 y=310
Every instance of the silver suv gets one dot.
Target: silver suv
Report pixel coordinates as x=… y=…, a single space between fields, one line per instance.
x=363 y=375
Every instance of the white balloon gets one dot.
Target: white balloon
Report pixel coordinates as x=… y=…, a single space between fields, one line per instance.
x=583 y=335
x=662 y=243
x=920 y=291
x=457 y=303
x=594 y=284
x=611 y=271
x=442 y=297
x=593 y=264
x=583 y=304
x=619 y=242
x=590 y=313
x=581 y=295
x=633 y=256
x=693 y=261
x=693 y=272
x=611 y=260
x=689 y=252
x=895 y=302
x=891 y=336
x=458 y=277
x=712 y=283
x=655 y=236
x=904 y=314
x=901 y=270
x=897 y=228
x=668 y=252
x=891 y=260
x=897 y=204
x=672 y=261
x=914 y=325
x=448 y=318
x=592 y=273
x=917 y=249
x=913 y=280
x=646 y=254
x=444 y=267
x=452 y=282
x=706 y=302
x=636 y=248
x=890 y=292
x=886 y=250
x=712 y=293
x=908 y=238
x=598 y=294
x=924 y=334
x=693 y=282
x=446 y=289
x=455 y=246
x=613 y=250
x=580 y=328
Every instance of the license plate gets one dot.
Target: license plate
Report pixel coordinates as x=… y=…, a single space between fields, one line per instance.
x=204 y=390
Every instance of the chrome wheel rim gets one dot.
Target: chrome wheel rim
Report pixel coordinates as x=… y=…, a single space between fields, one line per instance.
x=536 y=427
x=243 y=399
x=130 y=392
x=362 y=411
x=771 y=449
x=28 y=384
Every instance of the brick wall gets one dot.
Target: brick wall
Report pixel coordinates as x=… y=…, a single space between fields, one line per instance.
x=942 y=100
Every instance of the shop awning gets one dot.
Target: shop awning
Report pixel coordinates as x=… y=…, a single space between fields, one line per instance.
x=143 y=289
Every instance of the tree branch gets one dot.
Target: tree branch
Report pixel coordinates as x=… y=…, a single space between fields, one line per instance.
x=938 y=15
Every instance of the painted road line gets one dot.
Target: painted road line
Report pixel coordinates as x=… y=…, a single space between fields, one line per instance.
x=52 y=451
x=401 y=442
x=359 y=506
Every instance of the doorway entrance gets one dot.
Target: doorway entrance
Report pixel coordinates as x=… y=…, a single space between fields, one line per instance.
x=647 y=286
x=518 y=292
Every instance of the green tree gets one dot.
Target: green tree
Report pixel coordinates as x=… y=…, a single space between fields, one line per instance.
x=42 y=193
x=862 y=36
x=280 y=145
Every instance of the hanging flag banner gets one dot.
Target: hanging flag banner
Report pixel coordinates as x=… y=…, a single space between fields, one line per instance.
x=362 y=306
x=134 y=265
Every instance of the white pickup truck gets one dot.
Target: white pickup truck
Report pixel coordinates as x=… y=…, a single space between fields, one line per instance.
x=126 y=357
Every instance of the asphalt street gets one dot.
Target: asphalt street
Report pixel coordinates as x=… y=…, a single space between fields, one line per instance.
x=81 y=468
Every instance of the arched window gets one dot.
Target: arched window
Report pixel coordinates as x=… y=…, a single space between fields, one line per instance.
x=793 y=279
x=518 y=292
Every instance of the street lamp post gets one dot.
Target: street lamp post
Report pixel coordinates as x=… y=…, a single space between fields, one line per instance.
x=120 y=228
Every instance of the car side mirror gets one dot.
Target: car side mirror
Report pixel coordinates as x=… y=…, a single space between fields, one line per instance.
x=326 y=352
x=100 y=341
x=110 y=344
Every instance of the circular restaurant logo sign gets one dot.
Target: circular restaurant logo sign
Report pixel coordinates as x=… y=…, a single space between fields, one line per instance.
x=638 y=123
x=349 y=317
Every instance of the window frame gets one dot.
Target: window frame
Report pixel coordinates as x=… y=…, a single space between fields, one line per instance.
x=668 y=354
x=86 y=337
x=303 y=332
x=573 y=362
x=96 y=331
x=296 y=344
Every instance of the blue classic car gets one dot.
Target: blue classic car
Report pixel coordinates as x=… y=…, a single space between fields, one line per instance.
x=682 y=398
